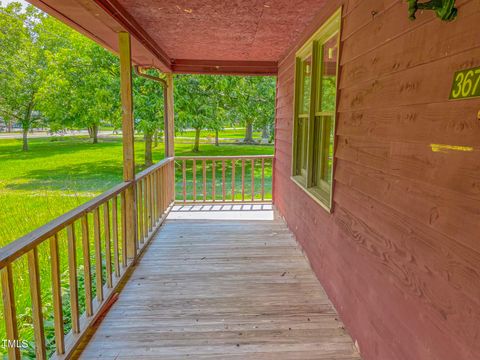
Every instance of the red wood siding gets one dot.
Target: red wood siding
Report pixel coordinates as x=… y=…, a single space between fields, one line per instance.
x=400 y=254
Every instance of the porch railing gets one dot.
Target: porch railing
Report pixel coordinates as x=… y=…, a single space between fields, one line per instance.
x=210 y=179
x=81 y=282
x=100 y=222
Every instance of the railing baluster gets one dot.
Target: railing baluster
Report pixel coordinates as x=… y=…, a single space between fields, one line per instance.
x=168 y=176
x=159 y=194
x=184 y=175
x=263 y=179
x=116 y=261
x=252 y=175
x=233 y=180
x=9 y=310
x=36 y=296
x=140 y=211
x=243 y=180
x=86 y=266
x=165 y=175
x=108 y=251
x=171 y=180
x=152 y=202
x=147 y=202
x=213 y=180
x=223 y=181
x=123 y=207
x=194 y=179
x=98 y=254
x=154 y=198
x=57 y=296
x=204 y=178
x=161 y=184
x=145 y=207
x=164 y=189
x=72 y=272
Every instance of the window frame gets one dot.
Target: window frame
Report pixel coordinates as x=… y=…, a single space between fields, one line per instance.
x=314 y=47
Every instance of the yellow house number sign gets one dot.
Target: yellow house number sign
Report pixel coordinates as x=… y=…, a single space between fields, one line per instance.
x=466 y=84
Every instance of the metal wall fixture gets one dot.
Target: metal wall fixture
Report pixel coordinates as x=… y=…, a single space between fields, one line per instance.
x=445 y=9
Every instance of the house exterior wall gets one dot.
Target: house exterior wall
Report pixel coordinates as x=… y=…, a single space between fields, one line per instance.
x=400 y=254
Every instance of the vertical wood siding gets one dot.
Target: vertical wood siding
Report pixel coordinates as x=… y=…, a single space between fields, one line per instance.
x=400 y=254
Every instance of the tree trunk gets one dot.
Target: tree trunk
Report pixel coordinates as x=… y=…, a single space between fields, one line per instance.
x=248 y=133
x=26 y=125
x=155 y=139
x=9 y=126
x=265 y=133
x=25 y=139
x=148 y=149
x=216 y=138
x=196 y=147
x=93 y=133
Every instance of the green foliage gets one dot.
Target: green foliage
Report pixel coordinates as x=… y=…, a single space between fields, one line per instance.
x=22 y=66
x=51 y=73
x=214 y=102
x=148 y=102
x=82 y=82
x=254 y=99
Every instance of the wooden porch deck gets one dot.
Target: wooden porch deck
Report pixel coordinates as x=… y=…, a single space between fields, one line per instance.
x=221 y=289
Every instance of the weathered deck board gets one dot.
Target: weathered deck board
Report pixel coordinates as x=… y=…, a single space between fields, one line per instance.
x=210 y=289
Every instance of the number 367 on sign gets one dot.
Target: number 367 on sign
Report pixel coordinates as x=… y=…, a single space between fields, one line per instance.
x=466 y=84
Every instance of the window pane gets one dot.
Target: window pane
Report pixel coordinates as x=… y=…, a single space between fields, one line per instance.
x=304 y=145
x=317 y=154
x=329 y=74
x=301 y=143
x=327 y=160
x=323 y=152
x=306 y=85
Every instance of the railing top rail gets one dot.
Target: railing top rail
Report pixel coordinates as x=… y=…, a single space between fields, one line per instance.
x=17 y=248
x=148 y=170
x=227 y=157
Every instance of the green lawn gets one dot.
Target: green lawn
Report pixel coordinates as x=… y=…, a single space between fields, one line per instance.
x=232 y=134
x=57 y=175
x=238 y=133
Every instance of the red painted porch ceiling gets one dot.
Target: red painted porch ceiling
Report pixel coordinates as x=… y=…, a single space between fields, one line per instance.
x=260 y=30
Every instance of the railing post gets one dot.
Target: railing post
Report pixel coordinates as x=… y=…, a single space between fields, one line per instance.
x=128 y=141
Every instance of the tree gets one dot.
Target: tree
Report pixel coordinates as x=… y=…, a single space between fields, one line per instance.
x=21 y=66
x=82 y=85
x=148 y=101
x=194 y=107
x=254 y=97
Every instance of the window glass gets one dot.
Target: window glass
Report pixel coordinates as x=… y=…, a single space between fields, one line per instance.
x=328 y=86
x=306 y=85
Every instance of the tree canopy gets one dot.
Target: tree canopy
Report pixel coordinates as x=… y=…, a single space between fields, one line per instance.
x=56 y=77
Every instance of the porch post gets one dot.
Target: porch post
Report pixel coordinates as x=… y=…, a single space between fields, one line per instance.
x=169 y=126
x=128 y=141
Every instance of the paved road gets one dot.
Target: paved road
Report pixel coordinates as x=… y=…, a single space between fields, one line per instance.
x=40 y=134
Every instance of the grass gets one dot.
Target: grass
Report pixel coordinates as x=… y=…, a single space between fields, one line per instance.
x=238 y=133
x=55 y=176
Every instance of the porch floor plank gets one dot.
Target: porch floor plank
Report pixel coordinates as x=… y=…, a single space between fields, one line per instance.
x=221 y=289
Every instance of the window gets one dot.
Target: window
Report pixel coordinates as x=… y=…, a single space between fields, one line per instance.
x=315 y=106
